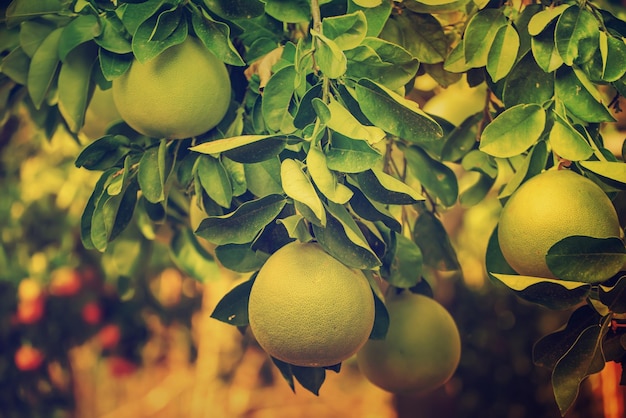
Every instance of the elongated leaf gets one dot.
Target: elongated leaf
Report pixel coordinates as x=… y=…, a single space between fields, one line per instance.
x=145 y=47
x=31 y=34
x=372 y=210
x=239 y=257
x=432 y=238
x=74 y=85
x=112 y=64
x=583 y=359
x=215 y=180
x=80 y=30
x=43 y=67
x=540 y=20
x=423 y=36
x=347 y=31
x=216 y=37
x=277 y=97
x=385 y=188
x=245 y=148
x=113 y=37
x=503 y=52
x=339 y=241
x=191 y=257
x=567 y=142
x=326 y=180
x=342 y=121
x=576 y=35
x=348 y=155
x=263 y=178
x=480 y=34
x=103 y=153
x=20 y=10
x=376 y=12
x=438 y=179
x=551 y=293
x=233 y=307
x=544 y=50
x=586 y=259
x=244 y=224
x=611 y=170
x=298 y=186
x=329 y=57
x=406 y=268
x=382 y=62
x=290 y=11
x=580 y=96
x=513 y=131
x=395 y=114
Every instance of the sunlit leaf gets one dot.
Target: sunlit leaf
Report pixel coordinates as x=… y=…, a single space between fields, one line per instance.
x=349 y=155
x=326 y=180
x=576 y=34
x=480 y=34
x=74 y=83
x=567 y=142
x=191 y=257
x=215 y=180
x=611 y=170
x=580 y=96
x=329 y=57
x=503 y=52
x=385 y=188
x=438 y=179
x=346 y=30
x=298 y=186
x=342 y=121
x=513 y=131
x=80 y=30
x=43 y=67
x=290 y=11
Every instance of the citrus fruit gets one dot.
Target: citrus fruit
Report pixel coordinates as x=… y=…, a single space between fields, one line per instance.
x=308 y=309
x=421 y=350
x=547 y=208
x=183 y=92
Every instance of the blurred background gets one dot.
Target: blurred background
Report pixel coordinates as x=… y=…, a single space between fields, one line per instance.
x=119 y=334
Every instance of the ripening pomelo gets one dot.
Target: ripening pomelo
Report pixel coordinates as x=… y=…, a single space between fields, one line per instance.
x=421 y=350
x=307 y=308
x=547 y=208
x=183 y=92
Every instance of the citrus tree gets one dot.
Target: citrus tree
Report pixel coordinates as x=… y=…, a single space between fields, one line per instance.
x=274 y=124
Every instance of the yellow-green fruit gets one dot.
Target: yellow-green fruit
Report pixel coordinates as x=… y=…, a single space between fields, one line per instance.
x=183 y=92
x=547 y=208
x=421 y=350
x=307 y=308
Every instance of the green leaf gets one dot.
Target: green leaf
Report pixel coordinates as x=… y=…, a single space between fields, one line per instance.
x=43 y=68
x=15 y=66
x=349 y=155
x=74 y=85
x=114 y=65
x=244 y=224
x=611 y=170
x=385 y=188
x=264 y=178
x=340 y=241
x=478 y=161
x=614 y=297
x=581 y=98
x=343 y=121
x=239 y=257
x=480 y=34
x=245 y=148
x=82 y=29
x=289 y=11
x=297 y=185
x=576 y=35
x=534 y=163
x=329 y=57
x=567 y=142
x=347 y=31
x=613 y=64
x=133 y=15
x=372 y=210
x=503 y=53
x=191 y=257
x=233 y=307
x=236 y=9
x=382 y=62
x=103 y=153
x=552 y=293
x=381 y=318
x=215 y=180
x=113 y=37
x=542 y=19
x=586 y=259
x=395 y=114
x=277 y=98
x=325 y=179
x=32 y=33
x=216 y=37
x=311 y=378
x=544 y=50
x=86 y=220
x=145 y=47
x=438 y=179
x=581 y=360
x=20 y=10
x=475 y=193
x=527 y=83
x=424 y=37
x=406 y=267
x=552 y=347
x=432 y=238
x=151 y=175
x=376 y=13
x=513 y=131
